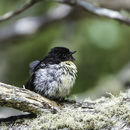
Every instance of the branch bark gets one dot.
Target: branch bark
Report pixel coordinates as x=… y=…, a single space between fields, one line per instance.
x=97 y=10
x=11 y=14
x=104 y=113
x=112 y=4
x=25 y=100
x=31 y=25
x=81 y=3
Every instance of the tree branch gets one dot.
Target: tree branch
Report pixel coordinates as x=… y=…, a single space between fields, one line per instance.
x=11 y=14
x=97 y=10
x=112 y=4
x=81 y=3
x=25 y=100
x=105 y=113
x=31 y=25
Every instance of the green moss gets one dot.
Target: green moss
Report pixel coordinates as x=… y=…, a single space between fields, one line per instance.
x=4 y=127
x=106 y=113
x=101 y=114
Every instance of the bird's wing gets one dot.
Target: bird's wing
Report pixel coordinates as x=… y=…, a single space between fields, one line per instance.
x=33 y=65
x=30 y=83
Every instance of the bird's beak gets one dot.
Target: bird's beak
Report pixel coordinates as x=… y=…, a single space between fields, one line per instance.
x=72 y=58
x=73 y=52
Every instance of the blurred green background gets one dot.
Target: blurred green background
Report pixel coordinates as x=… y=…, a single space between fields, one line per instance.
x=102 y=45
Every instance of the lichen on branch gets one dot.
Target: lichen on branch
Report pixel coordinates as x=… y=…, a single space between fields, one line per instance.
x=104 y=113
x=112 y=112
x=25 y=100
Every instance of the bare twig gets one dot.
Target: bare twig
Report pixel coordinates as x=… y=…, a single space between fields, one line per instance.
x=17 y=117
x=112 y=4
x=25 y=100
x=97 y=10
x=81 y=3
x=11 y=14
x=31 y=25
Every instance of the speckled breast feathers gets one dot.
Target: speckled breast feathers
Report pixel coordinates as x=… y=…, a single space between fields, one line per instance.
x=55 y=80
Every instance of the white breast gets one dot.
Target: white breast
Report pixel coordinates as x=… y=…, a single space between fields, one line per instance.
x=56 y=80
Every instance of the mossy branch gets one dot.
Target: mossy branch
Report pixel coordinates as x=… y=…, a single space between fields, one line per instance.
x=25 y=100
x=112 y=112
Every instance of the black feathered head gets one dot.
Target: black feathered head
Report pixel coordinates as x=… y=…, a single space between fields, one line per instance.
x=59 y=54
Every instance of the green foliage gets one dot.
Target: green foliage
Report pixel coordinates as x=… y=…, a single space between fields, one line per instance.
x=19 y=56
x=102 y=46
x=104 y=34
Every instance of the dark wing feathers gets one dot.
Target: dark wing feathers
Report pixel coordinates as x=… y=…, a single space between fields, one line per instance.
x=34 y=66
x=29 y=84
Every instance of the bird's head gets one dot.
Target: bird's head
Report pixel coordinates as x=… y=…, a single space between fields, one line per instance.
x=60 y=54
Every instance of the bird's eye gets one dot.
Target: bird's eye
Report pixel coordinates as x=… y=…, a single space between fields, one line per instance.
x=64 y=56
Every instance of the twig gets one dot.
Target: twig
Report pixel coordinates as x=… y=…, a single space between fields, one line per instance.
x=11 y=14
x=112 y=4
x=81 y=3
x=14 y=118
x=25 y=100
x=30 y=25
x=97 y=10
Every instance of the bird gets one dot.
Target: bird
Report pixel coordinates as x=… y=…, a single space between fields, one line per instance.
x=54 y=75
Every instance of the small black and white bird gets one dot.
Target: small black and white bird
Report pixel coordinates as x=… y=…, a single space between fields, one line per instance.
x=53 y=76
